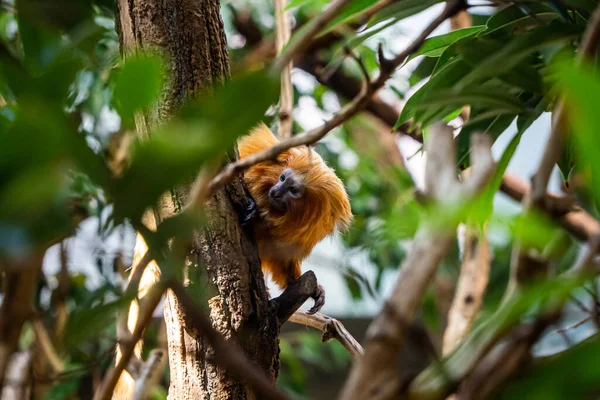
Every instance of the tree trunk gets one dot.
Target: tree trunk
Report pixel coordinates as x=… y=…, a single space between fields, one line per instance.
x=189 y=33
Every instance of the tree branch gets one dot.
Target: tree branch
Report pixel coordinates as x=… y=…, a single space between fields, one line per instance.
x=331 y=328
x=283 y=32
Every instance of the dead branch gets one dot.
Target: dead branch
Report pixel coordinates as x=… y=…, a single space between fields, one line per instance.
x=331 y=328
x=226 y=354
x=470 y=288
x=375 y=372
x=283 y=32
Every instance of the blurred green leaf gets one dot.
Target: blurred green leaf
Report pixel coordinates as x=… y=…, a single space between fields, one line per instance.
x=205 y=129
x=557 y=378
x=580 y=87
x=137 y=85
x=87 y=322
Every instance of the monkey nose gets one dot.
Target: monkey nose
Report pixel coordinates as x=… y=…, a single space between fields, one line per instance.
x=274 y=194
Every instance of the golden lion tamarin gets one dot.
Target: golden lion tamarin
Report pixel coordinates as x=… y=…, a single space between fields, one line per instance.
x=300 y=201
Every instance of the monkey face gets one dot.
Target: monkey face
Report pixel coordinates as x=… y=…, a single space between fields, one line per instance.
x=289 y=188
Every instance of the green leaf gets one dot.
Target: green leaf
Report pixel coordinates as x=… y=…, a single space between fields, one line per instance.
x=445 y=78
x=557 y=378
x=512 y=17
x=423 y=70
x=435 y=46
x=581 y=88
x=137 y=85
x=493 y=125
x=518 y=49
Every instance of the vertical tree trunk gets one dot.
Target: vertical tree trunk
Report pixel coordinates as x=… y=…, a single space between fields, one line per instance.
x=189 y=33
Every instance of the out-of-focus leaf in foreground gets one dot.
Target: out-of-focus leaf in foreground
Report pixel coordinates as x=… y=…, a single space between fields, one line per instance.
x=204 y=130
x=581 y=89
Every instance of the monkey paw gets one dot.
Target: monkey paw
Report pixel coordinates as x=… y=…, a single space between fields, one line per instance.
x=319 y=297
x=251 y=211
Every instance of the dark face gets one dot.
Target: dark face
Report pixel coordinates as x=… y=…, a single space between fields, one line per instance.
x=288 y=189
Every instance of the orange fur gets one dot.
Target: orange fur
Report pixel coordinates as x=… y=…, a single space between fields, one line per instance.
x=285 y=239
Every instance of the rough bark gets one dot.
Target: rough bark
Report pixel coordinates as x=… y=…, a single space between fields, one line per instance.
x=189 y=33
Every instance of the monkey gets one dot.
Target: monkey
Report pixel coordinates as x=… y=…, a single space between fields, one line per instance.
x=297 y=201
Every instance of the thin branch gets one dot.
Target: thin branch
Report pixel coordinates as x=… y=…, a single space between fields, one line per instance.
x=286 y=99
x=331 y=328
x=345 y=113
x=46 y=347
x=301 y=43
x=229 y=356
x=470 y=288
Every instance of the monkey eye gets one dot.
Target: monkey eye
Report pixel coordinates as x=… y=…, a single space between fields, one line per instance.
x=294 y=190
x=281 y=178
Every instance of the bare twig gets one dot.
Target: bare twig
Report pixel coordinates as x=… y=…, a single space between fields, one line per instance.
x=375 y=372
x=283 y=32
x=301 y=43
x=345 y=113
x=226 y=353
x=331 y=328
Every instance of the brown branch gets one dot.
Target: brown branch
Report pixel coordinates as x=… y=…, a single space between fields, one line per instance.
x=286 y=100
x=331 y=328
x=375 y=372
x=226 y=354
x=313 y=27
